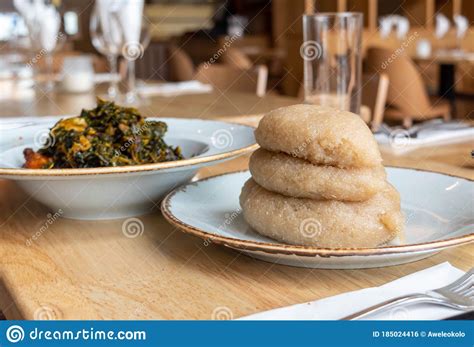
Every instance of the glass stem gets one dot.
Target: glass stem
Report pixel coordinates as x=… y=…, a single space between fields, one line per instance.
x=48 y=59
x=112 y=91
x=131 y=95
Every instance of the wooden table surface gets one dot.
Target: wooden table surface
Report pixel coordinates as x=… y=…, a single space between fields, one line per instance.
x=90 y=270
x=210 y=105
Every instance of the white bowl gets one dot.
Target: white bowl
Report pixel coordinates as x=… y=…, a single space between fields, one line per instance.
x=118 y=192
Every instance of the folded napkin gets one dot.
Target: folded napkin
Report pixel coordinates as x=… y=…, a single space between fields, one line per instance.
x=173 y=89
x=49 y=27
x=403 y=26
x=110 y=26
x=399 y=141
x=43 y=22
x=340 y=306
x=130 y=17
x=386 y=25
x=442 y=25
x=26 y=10
x=462 y=24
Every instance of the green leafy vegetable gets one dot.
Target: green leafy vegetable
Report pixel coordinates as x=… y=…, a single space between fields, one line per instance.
x=108 y=135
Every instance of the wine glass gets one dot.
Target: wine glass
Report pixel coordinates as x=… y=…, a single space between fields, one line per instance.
x=132 y=51
x=45 y=37
x=107 y=38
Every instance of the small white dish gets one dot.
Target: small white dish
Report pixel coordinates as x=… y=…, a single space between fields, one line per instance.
x=438 y=210
x=118 y=192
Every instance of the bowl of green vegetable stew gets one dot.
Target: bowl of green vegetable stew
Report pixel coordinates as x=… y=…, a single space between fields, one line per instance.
x=110 y=162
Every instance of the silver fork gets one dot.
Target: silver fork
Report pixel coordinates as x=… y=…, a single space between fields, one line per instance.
x=458 y=295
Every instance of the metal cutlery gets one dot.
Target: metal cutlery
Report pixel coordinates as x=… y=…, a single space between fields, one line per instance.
x=458 y=295
x=414 y=131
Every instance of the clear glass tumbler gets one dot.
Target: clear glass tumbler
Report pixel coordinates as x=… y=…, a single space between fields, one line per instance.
x=332 y=59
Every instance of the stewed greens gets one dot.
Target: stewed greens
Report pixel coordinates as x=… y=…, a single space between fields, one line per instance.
x=107 y=135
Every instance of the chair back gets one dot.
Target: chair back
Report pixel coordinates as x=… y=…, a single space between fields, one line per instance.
x=235 y=57
x=228 y=78
x=374 y=96
x=406 y=91
x=181 y=67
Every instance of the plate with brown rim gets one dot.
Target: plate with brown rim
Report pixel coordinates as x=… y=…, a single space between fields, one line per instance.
x=437 y=207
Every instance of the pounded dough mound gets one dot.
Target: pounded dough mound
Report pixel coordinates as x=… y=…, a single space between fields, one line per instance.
x=321 y=135
x=324 y=223
x=281 y=173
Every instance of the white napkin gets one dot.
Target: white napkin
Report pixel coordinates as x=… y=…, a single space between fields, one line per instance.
x=386 y=24
x=110 y=26
x=442 y=25
x=43 y=22
x=50 y=23
x=25 y=8
x=130 y=16
x=403 y=26
x=340 y=306
x=462 y=24
x=173 y=89
x=399 y=142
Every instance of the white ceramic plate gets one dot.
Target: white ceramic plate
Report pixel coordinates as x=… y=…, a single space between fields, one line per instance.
x=438 y=210
x=117 y=192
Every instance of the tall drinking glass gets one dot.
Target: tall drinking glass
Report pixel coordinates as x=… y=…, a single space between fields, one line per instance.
x=332 y=59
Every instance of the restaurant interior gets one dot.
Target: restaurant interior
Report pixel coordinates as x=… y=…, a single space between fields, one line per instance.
x=80 y=241
x=263 y=39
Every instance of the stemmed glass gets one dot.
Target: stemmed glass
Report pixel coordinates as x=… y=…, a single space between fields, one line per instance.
x=107 y=38
x=43 y=43
x=132 y=51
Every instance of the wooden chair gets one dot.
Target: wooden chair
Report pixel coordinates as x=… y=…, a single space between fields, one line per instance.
x=224 y=78
x=374 y=96
x=407 y=98
x=181 y=67
x=236 y=58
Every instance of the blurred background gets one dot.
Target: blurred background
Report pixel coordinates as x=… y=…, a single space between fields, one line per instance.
x=436 y=35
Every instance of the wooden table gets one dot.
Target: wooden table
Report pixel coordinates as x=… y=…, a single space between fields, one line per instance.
x=90 y=270
x=210 y=105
